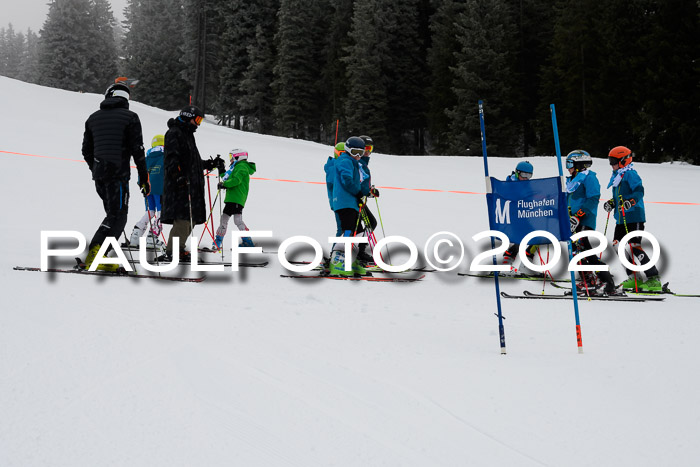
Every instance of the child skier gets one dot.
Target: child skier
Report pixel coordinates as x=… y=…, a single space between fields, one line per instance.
x=236 y=181
x=329 y=168
x=523 y=171
x=347 y=190
x=628 y=206
x=584 y=193
x=154 y=163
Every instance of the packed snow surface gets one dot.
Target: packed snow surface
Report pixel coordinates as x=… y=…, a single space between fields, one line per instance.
x=249 y=368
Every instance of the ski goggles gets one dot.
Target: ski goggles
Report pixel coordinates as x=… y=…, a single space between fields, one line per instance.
x=615 y=160
x=369 y=148
x=198 y=120
x=355 y=151
x=569 y=164
x=525 y=175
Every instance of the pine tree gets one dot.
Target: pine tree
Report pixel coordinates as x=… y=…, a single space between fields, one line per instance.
x=29 y=66
x=256 y=102
x=12 y=49
x=441 y=59
x=152 y=52
x=297 y=84
x=484 y=70
x=367 y=103
x=76 y=47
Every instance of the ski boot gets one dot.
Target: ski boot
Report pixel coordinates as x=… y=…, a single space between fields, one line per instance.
x=92 y=254
x=652 y=284
x=363 y=257
x=337 y=265
x=218 y=243
x=247 y=242
x=632 y=283
x=358 y=269
x=135 y=236
x=606 y=285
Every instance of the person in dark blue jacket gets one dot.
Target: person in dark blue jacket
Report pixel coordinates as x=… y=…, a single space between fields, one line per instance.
x=154 y=163
x=627 y=204
x=347 y=189
x=584 y=194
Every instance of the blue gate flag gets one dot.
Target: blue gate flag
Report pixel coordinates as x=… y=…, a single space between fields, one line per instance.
x=517 y=208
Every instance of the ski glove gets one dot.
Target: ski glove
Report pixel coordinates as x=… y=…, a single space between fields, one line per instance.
x=220 y=186
x=609 y=205
x=209 y=164
x=219 y=164
x=373 y=192
x=574 y=221
x=181 y=181
x=145 y=188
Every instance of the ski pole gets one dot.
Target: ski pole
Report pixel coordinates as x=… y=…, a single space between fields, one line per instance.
x=381 y=223
x=605 y=231
x=216 y=198
x=209 y=193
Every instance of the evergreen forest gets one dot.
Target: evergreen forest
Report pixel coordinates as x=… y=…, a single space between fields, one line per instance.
x=407 y=72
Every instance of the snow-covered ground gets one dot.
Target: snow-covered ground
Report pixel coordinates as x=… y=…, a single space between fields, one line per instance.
x=253 y=369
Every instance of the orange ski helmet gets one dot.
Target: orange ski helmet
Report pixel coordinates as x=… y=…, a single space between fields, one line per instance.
x=620 y=155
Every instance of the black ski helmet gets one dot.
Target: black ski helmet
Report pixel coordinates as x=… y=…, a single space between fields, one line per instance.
x=191 y=111
x=118 y=90
x=369 y=144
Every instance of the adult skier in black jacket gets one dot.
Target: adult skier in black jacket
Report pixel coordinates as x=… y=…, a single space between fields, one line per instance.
x=183 y=203
x=112 y=136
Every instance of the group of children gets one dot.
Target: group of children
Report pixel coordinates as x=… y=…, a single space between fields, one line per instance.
x=627 y=205
x=236 y=182
x=349 y=184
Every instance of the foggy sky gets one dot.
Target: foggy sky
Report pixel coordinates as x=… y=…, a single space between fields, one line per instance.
x=25 y=14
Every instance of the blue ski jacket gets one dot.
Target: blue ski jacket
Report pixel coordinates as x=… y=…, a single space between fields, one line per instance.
x=329 y=168
x=632 y=189
x=154 y=163
x=584 y=195
x=346 y=183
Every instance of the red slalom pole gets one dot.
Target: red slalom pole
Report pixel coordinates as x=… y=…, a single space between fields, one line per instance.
x=337 y=122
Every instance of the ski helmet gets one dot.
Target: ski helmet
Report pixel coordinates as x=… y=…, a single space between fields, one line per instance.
x=192 y=112
x=118 y=90
x=237 y=155
x=338 y=150
x=620 y=155
x=578 y=160
x=158 y=140
x=524 y=170
x=355 y=146
x=369 y=144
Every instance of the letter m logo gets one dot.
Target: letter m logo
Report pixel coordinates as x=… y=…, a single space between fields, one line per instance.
x=502 y=215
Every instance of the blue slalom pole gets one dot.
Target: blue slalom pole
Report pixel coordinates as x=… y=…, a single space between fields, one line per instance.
x=501 y=329
x=568 y=243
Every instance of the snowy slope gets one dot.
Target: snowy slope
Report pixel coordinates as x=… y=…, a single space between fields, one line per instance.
x=252 y=369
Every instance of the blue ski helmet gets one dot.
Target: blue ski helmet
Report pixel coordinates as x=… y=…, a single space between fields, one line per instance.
x=355 y=146
x=524 y=170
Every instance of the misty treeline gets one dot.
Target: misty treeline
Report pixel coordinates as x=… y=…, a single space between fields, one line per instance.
x=407 y=72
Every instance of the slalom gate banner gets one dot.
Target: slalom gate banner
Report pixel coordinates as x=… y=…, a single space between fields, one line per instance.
x=517 y=208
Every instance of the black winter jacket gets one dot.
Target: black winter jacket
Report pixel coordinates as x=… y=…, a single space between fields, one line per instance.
x=112 y=136
x=183 y=175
